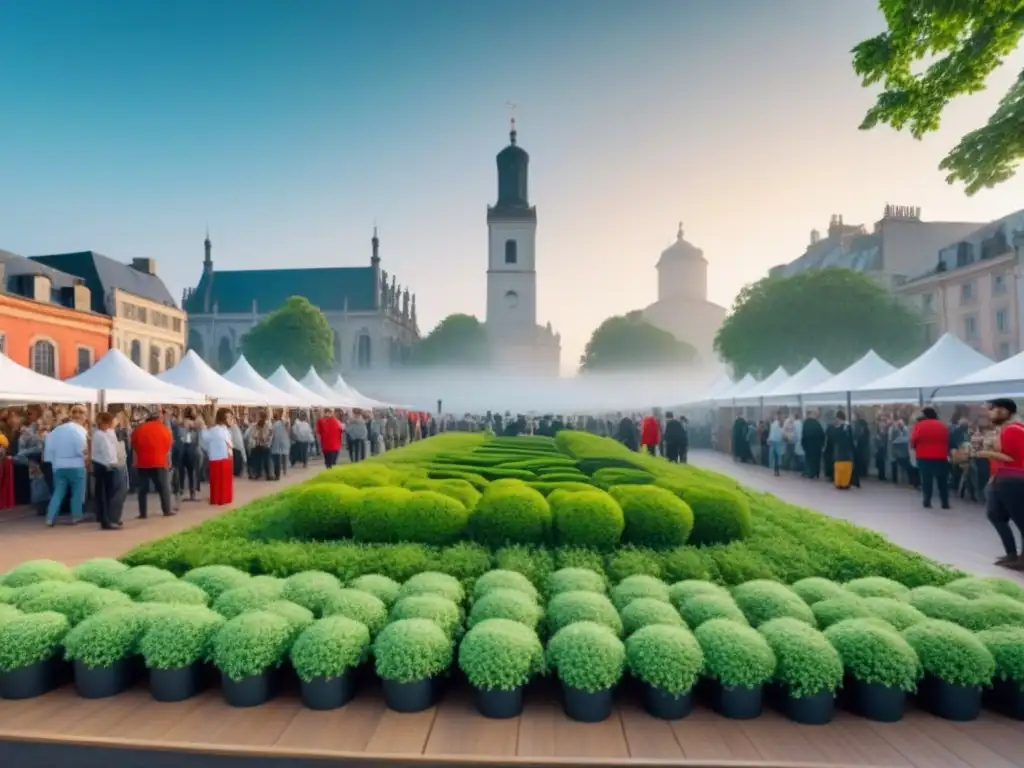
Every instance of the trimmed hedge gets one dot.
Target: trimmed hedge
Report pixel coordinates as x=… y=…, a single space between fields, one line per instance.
x=654 y=517
x=586 y=519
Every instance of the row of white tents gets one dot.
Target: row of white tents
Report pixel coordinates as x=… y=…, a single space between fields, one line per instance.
x=116 y=379
x=949 y=371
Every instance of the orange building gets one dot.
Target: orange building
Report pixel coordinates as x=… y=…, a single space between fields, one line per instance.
x=45 y=320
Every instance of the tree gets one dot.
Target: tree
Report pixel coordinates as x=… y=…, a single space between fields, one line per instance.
x=296 y=336
x=458 y=340
x=834 y=315
x=967 y=39
x=628 y=341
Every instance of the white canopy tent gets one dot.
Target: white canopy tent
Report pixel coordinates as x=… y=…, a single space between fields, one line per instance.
x=720 y=386
x=1004 y=379
x=193 y=373
x=791 y=391
x=342 y=386
x=834 y=391
x=947 y=360
x=20 y=385
x=122 y=381
x=284 y=381
x=244 y=375
x=745 y=384
x=753 y=396
x=318 y=386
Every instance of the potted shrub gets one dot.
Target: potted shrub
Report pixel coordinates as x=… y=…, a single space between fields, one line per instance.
x=808 y=670
x=814 y=589
x=700 y=608
x=434 y=583
x=667 y=661
x=512 y=604
x=876 y=586
x=894 y=611
x=360 y=606
x=937 y=603
x=410 y=655
x=104 y=651
x=836 y=609
x=325 y=657
x=881 y=667
x=247 y=650
x=215 y=580
x=502 y=579
x=632 y=587
x=383 y=588
x=576 y=580
x=499 y=657
x=133 y=581
x=435 y=608
x=31 y=654
x=762 y=600
x=956 y=666
x=1006 y=644
x=76 y=600
x=175 y=593
x=254 y=596
x=738 y=663
x=648 y=611
x=311 y=590
x=175 y=647
x=566 y=608
x=588 y=658
x=993 y=611
x=101 y=571
x=298 y=618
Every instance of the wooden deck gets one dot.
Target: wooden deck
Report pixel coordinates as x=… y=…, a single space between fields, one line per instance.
x=365 y=732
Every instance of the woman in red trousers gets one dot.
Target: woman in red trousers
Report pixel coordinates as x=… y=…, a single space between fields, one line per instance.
x=219 y=450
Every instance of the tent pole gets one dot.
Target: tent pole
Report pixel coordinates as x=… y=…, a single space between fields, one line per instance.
x=849 y=407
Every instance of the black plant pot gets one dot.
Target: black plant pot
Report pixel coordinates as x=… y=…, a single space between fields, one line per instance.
x=33 y=680
x=587 y=707
x=737 y=702
x=410 y=697
x=176 y=684
x=249 y=691
x=1005 y=696
x=667 y=706
x=499 y=705
x=950 y=701
x=875 y=701
x=323 y=693
x=102 y=682
x=817 y=709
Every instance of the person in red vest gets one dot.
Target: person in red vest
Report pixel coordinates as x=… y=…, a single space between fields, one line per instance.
x=329 y=430
x=1004 y=499
x=930 y=440
x=650 y=434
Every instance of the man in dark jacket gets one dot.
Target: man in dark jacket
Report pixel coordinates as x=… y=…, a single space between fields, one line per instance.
x=812 y=440
x=675 y=439
x=628 y=434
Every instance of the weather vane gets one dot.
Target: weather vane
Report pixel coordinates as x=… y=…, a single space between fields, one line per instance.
x=512 y=106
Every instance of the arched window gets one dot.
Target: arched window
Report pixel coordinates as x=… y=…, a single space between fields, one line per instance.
x=136 y=354
x=225 y=354
x=363 y=351
x=169 y=359
x=154 y=359
x=511 y=252
x=43 y=358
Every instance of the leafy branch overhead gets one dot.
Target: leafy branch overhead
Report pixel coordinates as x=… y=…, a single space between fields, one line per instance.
x=965 y=41
x=629 y=341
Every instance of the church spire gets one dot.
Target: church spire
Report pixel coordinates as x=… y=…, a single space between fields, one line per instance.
x=679 y=233
x=512 y=132
x=207 y=253
x=375 y=247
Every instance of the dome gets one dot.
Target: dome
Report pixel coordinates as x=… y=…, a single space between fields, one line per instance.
x=513 y=172
x=681 y=249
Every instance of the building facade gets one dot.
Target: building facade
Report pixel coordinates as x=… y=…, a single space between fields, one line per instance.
x=373 y=317
x=517 y=341
x=975 y=290
x=46 y=320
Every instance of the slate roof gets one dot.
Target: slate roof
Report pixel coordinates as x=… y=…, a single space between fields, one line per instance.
x=860 y=252
x=325 y=287
x=102 y=274
x=15 y=265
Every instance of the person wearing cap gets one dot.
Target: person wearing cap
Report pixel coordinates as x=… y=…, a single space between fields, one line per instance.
x=1005 y=496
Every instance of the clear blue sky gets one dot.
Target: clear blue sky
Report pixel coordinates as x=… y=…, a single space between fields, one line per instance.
x=288 y=127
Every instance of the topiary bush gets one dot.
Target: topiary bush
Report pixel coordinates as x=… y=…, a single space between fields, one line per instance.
x=719 y=514
x=179 y=638
x=250 y=644
x=654 y=517
x=875 y=653
x=951 y=653
x=75 y=600
x=383 y=588
x=387 y=515
x=629 y=560
x=329 y=648
x=995 y=611
x=586 y=519
x=510 y=513
x=252 y=597
x=501 y=655
x=806 y=663
x=106 y=637
x=547 y=487
x=896 y=612
x=215 y=580
x=567 y=608
x=876 y=586
x=504 y=579
x=507 y=604
x=631 y=588
x=937 y=603
x=682 y=591
x=34 y=571
x=461 y=490
x=298 y=618
x=665 y=657
x=135 y=581
x=587 y=656
x=311 y=589
x=321 y=511
x=607 y=477
x=576 y=580
x=436 y=608
x=30 y=638
x=646 y=611
x=434 y=583
x=701 y=608
x=814 y=589
x=175 y=592
x=762 y=600
x=101 y=571
x=836 y=609
x=359 y=606
x=410 y=650
x=734 y=654
x=1006 y=644
x=360 y=475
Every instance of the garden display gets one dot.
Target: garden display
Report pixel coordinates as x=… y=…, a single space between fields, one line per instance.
x=494 y=563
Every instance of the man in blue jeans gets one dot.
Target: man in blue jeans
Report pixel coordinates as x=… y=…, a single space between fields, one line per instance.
x=66 y=449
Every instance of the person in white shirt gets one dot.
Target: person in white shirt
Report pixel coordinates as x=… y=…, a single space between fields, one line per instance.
x=220 y=452
x=107 y=471
x=302 y=438
x=66 y=448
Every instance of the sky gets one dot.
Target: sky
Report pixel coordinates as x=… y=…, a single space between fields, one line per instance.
x=288 y=128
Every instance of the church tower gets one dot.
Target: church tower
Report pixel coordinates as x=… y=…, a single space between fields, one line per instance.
x=511 y=261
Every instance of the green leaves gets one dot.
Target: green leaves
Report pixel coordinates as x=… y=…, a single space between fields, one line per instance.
x=409 y=650
x=30 y=638
x=458 y=340
x=734 y=654
x=506 y=604
x=628 y=342
x=296 y=336
x=665 y=657
x=951 y=653
x=873 y=652
x=567 y=608
x=806 y=663
x=587 y=656
x=359 y=605
x=501 y=655
x=250 y=644
x=180 y=637
x=330 y=647
x=107 y=636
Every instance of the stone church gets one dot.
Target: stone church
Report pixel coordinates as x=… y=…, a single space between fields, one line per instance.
x=372 y=316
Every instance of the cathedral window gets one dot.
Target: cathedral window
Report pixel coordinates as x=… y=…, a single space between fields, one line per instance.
x=511 y=252
x=363 y=350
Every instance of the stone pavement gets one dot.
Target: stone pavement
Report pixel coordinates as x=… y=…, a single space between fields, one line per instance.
x=961 y=536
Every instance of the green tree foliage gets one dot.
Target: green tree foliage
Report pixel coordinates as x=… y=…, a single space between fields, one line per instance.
x=296 y=336
x=629 y=341
x=458 y=340
x=834 y=315
x=964 y=41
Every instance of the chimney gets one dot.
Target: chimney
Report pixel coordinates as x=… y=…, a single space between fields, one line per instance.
x=3 y=277
x=815 y=237
x=42 y=288
x=146 y=266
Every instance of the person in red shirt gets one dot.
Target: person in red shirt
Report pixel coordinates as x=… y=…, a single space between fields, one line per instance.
x=650 y=434
x=329 y=430
x=930 y=440
x=1004 y=498
x=151 y=452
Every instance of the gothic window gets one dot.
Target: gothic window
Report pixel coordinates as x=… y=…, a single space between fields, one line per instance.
x=137 y=352
x=225 y=355
x=511 y=253
x=154 y=359
x=337 y=349
x=84 y=360
x=169 y=359
x=43 y=358
x=363 y=351
x=195 y=342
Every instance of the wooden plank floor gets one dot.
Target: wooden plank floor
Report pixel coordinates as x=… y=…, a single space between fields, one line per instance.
x=453 y=733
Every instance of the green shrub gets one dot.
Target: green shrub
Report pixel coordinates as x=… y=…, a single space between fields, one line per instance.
x=359 y=606
x=951 y=653
x=7 y=594
x=298 y=618
x=971 y=587
x=631 y=588
x=396 y=514
x=329 y=648
x=135 y=581
x=30 y=638
x=435 y=608
x=1004 y=587
x=608 y=477
x=587 y=656
x=34 y=571
x=75 y=600
x=579 y=557
x=719 y=514
x=311 y=589
x=383 y=588
x=250 y=644
x=734 y=654
x=894 y=611
x=535 y=563
x=434 y=583
x=836 y=609
x=683 y=590
x=106 y=637
x=995 y=611
x=180 y=638
x=937 y=603
x=460 y=490
x=547 y=487
x=683 y=563
x=501 y=655
x=814 y=589
x=648 y=611
x=510 y=604
x=252 y=597
x=1006 y=644
x=101 y=571
x=873 y=653
x=215 y=580
x=379 y=514
x=665 y=657
x=510 y=514
x=322 y=511
x=587 y=519
x=628 y=561
x=411 y=650
x=876 y=586
x=570 y=607
x=175 y=592
x=700 y=608
x=654 y=516
x=504 y=579
x=361 y=475
x=806 y=663
x=763 y=600
x=477 y=481
x=563 y=476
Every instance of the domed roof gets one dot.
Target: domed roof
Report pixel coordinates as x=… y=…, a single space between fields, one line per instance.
x=681 y=249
